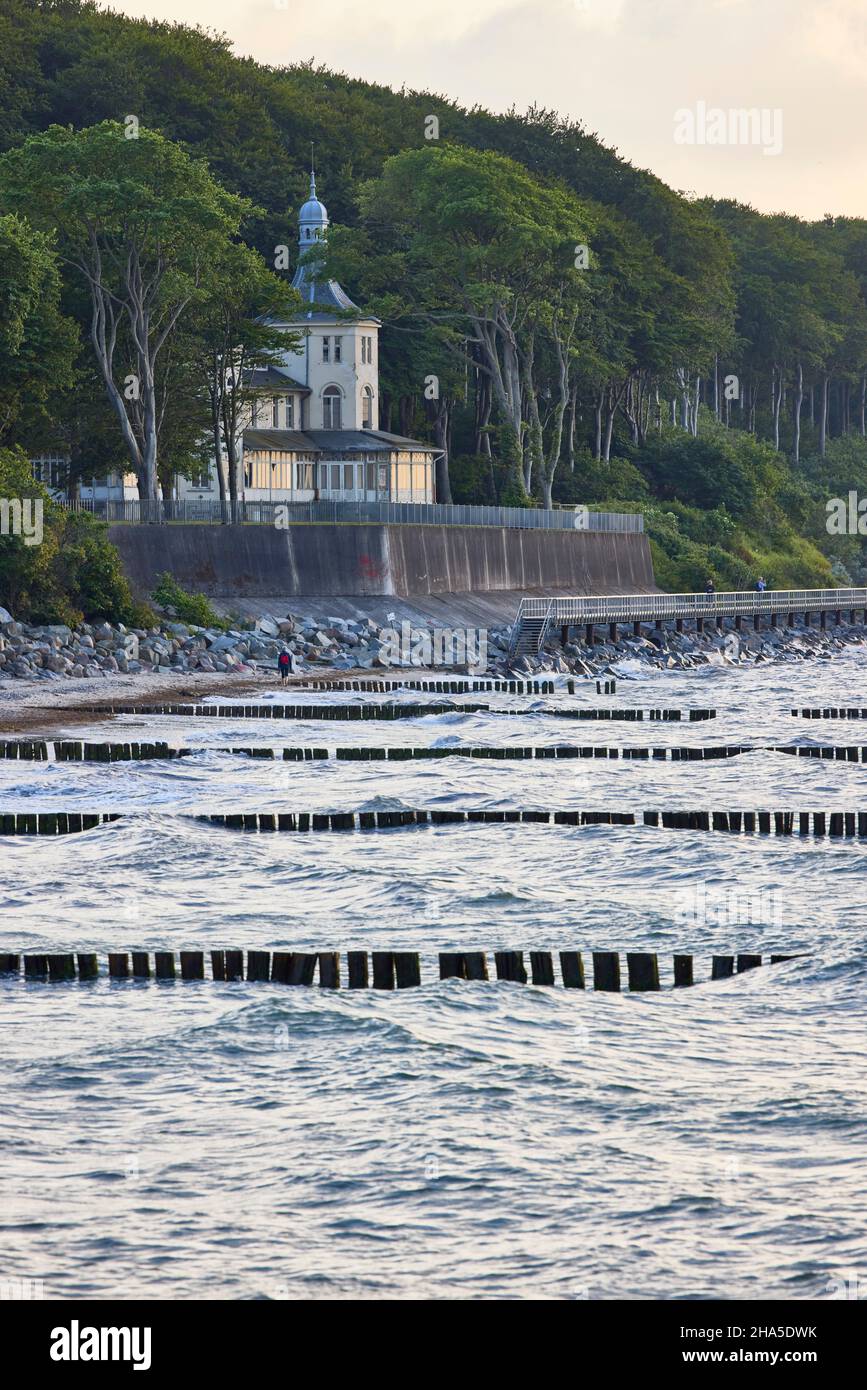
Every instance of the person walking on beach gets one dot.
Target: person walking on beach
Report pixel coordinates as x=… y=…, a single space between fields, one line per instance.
x=284 y=663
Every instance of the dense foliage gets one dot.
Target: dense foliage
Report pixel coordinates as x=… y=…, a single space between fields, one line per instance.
x=563 y=325
x=72 y=573
x=185 y=606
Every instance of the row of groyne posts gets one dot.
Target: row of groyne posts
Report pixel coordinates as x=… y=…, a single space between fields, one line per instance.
x=388 y=970
x=836 y=824
x=68 y=751
x=380 y=969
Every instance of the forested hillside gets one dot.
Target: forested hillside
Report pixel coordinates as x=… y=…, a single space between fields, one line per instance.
x=566 y=326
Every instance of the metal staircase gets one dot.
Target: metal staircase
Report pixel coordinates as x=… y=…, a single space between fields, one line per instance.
x=529 y=631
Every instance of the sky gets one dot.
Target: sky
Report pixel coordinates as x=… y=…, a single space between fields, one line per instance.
x=655 y=79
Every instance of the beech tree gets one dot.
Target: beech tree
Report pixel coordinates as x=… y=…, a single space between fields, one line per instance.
x=242 y=325
x=480 y=240
x=146 y=226
x=37 y=343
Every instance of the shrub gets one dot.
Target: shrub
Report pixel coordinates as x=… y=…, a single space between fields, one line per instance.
x=73 y=573
x=187 y=607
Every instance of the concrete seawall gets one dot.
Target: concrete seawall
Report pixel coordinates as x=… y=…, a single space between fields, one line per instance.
x=381 y=560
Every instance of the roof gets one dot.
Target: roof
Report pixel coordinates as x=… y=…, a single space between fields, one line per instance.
x=293 y=441
x=333 y=441
x=325 y=294
x=274 y=376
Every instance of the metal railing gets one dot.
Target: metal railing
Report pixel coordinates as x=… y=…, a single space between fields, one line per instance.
x=207 y=511
x=646 y=608
x=610 y=608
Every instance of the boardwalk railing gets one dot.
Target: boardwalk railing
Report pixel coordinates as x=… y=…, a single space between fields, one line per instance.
x=207 y=511
x=538 y=616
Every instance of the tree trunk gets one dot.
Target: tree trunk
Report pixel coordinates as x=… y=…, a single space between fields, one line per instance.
x=483 y=413
x=533 y=443
x=799 y=398
x=440 y=414
x=218 y=460
x=823 y=417
x=777 y=397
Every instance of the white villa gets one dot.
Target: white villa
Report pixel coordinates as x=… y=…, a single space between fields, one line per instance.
x=312 y=430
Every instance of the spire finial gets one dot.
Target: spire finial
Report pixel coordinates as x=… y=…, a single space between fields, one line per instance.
x=312 y=173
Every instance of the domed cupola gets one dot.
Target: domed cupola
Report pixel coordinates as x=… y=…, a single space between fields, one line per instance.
x=312 y=219
x=325 y=295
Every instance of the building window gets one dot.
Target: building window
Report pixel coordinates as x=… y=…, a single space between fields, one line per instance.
x=275 y=414
x=326 y=349
x=290 y=412
x=363 y=350
x=367 y=409
x=331 y=409
x=200 y=479
x=367 y=349
x=337 y=348
x=49 y=469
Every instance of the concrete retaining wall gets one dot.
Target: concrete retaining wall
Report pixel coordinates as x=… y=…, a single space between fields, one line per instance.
x=258 y=561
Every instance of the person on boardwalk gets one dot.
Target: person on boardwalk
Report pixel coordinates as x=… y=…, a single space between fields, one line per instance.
x=761 y=586
x=284 y=665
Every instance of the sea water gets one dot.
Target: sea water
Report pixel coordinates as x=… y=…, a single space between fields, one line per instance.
x=461 y=1139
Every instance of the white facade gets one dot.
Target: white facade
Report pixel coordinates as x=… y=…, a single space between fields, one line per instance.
x=51 y=471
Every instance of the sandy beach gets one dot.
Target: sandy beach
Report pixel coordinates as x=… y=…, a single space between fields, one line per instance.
x=41 y=707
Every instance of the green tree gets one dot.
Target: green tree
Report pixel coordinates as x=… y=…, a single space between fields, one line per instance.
x=146 y=226
x=72 y=572
x=241 y=326
x=480 y=240
x=37 y=342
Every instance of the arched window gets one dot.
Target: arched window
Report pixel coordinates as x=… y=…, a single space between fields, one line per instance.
x=367 y=409
x=331 y=408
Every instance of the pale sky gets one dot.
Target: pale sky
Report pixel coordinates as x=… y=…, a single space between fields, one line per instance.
x=624 y=68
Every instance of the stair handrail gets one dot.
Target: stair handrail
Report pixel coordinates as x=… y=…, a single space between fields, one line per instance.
x=516 y=628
